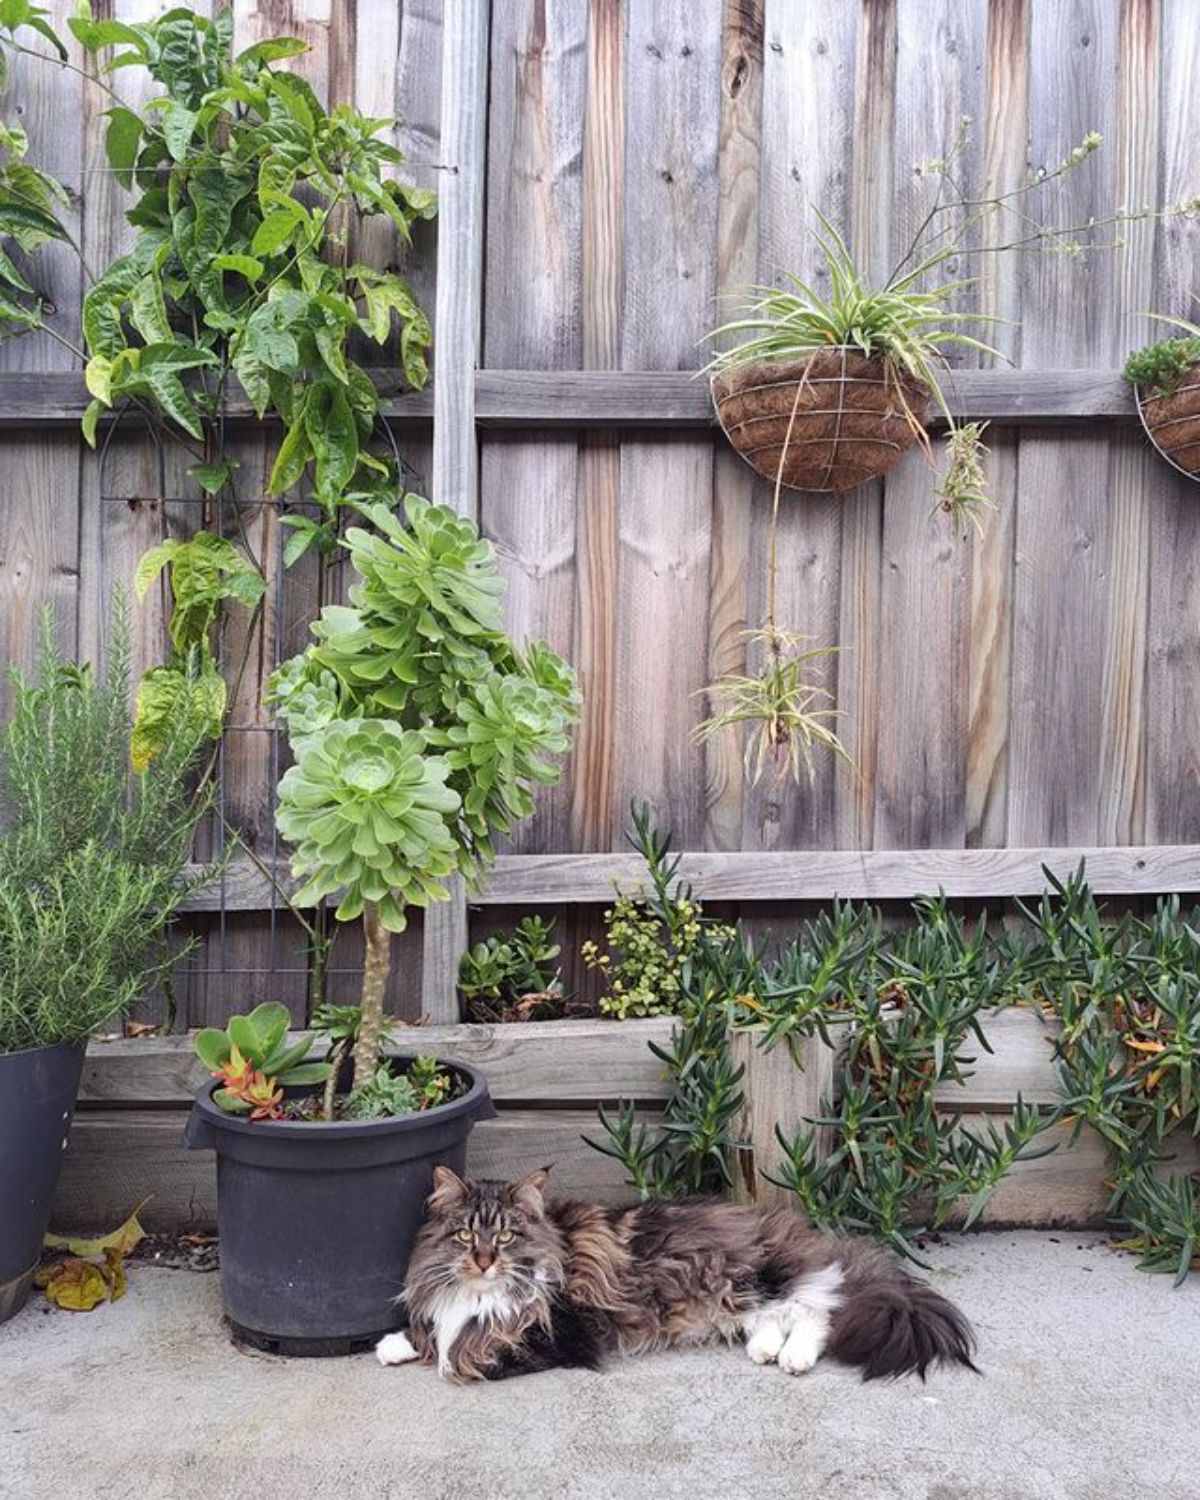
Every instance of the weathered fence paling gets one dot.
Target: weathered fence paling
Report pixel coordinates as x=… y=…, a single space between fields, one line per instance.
x=606 y=170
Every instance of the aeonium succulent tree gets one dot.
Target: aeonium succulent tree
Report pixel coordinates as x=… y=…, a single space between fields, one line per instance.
x=420 y=732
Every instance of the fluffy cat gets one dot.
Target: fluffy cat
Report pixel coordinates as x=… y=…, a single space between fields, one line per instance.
x=503 y=1283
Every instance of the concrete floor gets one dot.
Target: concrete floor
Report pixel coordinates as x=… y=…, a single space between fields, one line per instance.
x=1090 y=1392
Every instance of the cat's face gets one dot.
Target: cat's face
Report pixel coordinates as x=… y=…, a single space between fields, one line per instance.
x=490 y=1233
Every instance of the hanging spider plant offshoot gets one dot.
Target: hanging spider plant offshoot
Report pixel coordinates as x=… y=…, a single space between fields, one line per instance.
x=791 y=713
x=962 y=490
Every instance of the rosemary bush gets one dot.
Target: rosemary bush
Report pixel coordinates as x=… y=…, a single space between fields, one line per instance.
x=93 y=856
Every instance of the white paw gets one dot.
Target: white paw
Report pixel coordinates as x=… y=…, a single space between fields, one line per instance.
x=764 y=1343
x=801 y=1352
x=395 y=1349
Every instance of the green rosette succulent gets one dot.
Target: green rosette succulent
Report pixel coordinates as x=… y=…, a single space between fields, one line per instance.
x=435 y=575
x=420 y=731
x=305 y=695
x=366 y=806
x=498 y=748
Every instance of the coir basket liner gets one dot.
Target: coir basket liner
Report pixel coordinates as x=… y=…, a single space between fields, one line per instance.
x=1172 y=420
x=851 y=417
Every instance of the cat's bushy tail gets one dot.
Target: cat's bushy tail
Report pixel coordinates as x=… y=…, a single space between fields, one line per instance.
x=890 y=1324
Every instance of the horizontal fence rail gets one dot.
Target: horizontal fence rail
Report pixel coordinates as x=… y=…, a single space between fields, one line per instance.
x=797 y=875
x=577 y=399
x=547 y=1079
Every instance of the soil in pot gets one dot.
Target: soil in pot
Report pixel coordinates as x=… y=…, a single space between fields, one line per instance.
x=37 y=1100
x=843 y=417
x=1172 y=421
x=317 y=1220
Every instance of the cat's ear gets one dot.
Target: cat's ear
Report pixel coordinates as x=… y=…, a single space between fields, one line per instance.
x=528 y=1192
x=448 y=1189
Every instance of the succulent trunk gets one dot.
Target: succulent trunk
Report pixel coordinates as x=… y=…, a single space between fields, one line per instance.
x=378 y=962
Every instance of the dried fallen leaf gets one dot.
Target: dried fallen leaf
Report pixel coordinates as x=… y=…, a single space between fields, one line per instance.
x=141 y=1028
x=77 y=1285
x=122 y=1240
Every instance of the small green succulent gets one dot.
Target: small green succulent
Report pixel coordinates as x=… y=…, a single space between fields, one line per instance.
x=366 y=807
x=306 y=695
x=1159 y=367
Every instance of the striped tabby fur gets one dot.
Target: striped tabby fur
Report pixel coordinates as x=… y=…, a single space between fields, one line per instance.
x=503 y=1283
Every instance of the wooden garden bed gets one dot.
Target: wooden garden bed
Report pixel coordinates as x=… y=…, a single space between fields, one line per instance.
x=546 y=1079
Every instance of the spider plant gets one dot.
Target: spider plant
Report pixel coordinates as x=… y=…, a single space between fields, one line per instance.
x=790 y=713
x=909 y=326
x=962 y=490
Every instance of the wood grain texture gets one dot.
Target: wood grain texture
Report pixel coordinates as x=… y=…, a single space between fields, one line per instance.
x=733 y=481
x=533 y=317
x=460 y=253
x=117 y=1158
x=1069 y=1188
x=780 y=1091
x=673 y=104
x=637 y=399
x=459 y=325
x=921 y=698
x=542 y=1062
x=598 y=471
x=1062 y=594
x=578 y=1062
x=807 y=160
x=1132 y=465
x=1004 y=131
x=1172 y=783
x=803 y=875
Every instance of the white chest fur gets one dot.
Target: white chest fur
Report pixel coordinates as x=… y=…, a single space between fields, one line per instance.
x=452 y=1310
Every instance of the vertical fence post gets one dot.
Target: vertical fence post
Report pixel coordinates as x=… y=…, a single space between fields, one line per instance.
x=778 y=1089
x=457 y=332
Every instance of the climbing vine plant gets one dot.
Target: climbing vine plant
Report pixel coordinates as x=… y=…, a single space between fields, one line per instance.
x=245 y=193
x=30 y=199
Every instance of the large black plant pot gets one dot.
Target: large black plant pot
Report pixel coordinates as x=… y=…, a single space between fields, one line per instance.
x=37 y=1099
x=317 y=1220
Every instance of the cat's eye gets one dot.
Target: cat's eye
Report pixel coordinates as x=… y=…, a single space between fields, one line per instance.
x=463 y=1236
x=505 y=1237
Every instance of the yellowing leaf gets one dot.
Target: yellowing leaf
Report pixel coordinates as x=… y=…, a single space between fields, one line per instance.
x=77 y=1285
x=122 y=1240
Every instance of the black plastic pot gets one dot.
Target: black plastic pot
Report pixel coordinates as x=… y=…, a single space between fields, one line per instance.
x=37 y=1099
x=317 y=1219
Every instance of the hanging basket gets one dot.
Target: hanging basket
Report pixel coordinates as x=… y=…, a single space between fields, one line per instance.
x=1172 y=421
x=852 y=417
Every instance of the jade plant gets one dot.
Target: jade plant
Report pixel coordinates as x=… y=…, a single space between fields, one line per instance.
x=420 y=732
x=513 y=976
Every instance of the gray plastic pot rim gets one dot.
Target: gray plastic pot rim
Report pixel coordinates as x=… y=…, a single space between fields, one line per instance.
x=475 y=1104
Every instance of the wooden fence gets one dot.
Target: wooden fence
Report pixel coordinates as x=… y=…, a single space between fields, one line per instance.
x=608 y=171
x=547 y=1078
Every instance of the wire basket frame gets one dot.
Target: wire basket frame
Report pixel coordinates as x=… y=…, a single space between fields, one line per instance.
x=832 y=420
x=1178 y=415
